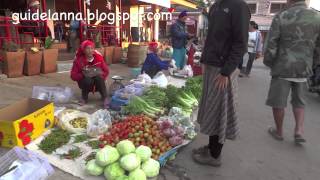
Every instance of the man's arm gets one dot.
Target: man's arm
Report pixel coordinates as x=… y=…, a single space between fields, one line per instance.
x=316 y=56
x=240 y=28
x=271 y=44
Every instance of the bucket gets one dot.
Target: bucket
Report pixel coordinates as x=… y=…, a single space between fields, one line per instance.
x=136 y=55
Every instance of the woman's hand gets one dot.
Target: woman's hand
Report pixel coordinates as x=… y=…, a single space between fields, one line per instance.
x=222 y=82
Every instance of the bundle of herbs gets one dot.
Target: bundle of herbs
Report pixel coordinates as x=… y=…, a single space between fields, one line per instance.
x=54 y=140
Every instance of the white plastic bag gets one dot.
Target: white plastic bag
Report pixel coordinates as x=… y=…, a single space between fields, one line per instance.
x=160 y=79
x=188 y=70
x=67 y=116
x=144 y=78
x=53 y=94
x=99 y=123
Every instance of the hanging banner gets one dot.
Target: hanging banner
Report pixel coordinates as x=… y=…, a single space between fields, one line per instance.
x=163 y=3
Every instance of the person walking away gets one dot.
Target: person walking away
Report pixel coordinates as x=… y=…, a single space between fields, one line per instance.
x=179 y=38
x=90 y=71
x=153 y=64
x=292 y=50
x=224 y=48
x=255 y=44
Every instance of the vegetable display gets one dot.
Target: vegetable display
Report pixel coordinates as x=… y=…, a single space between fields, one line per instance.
x=194 y=85
x=125 y=167
x=138 y=106
x=93 y=169
x=79 y=122
x=54 y=140
x=125 y=147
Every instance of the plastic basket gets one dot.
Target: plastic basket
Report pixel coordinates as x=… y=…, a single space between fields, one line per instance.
x=23 y=155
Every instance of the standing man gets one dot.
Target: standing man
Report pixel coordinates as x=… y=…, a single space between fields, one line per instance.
x=292 y=50
x=225 y=46
x=179 y=38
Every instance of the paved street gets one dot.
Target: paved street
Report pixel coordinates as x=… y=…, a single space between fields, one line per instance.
x=254 y=156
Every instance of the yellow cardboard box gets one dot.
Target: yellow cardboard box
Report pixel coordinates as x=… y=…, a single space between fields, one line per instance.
x=24 y=121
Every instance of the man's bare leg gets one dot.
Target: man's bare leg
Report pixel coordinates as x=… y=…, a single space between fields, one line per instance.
x=299 y=117
x=278 y=114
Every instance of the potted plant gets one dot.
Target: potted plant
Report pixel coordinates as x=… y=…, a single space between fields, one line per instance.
x=32 y=64
x=13 y=59
x=49 y=57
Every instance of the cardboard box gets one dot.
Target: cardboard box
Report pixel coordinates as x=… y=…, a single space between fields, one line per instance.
x=24 y=121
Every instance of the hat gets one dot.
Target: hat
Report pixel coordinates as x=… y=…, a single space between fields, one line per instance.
x=34 y=3
x=183 y=14
x=153 y=46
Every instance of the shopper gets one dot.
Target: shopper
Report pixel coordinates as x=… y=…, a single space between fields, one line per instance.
x=90 y=71
x=153 y=64
x=225 y=46
x=292 y=50
x=179 y=38
x=255 y=44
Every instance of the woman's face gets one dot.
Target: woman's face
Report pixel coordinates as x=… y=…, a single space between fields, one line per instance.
x=88 y=51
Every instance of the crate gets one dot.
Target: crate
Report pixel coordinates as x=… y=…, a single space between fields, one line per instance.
x=21 y=154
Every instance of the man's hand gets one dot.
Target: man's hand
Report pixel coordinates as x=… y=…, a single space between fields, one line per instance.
x=222 y=82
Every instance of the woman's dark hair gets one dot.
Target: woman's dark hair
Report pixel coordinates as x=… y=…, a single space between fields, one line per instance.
x=254 y=25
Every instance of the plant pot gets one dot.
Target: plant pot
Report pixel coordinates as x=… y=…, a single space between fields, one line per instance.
x=13 y=63
x=108 y=54
x=49 y=61
x=101 y=51
x=116 y=55
x=32 y=64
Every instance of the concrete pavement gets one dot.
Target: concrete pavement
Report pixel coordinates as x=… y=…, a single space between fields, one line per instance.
x=254 y=156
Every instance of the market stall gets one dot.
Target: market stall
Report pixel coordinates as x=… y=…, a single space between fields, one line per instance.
x=135 y=140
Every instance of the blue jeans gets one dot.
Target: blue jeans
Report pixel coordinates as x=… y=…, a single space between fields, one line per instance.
x=179 y=55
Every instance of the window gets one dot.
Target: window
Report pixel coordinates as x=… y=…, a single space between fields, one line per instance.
x=253 y=8
x=277 y=7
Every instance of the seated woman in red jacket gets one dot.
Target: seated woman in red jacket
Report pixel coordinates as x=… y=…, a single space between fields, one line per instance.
x=90 y=71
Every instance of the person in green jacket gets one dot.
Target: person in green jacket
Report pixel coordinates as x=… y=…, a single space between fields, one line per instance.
x=292 y=51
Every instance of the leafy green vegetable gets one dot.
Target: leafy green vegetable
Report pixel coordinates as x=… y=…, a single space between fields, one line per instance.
x=92 y=156
x=94 y=144
x=137 y=174
x=124 y=177
x=125 y=147
x=107 y=155
x=93 y=169
x=151 y=168
x=144 y=152
x=113 y=171
x=156 y=97
x=48 y=42
x=130 y=162
x=54 y=140
x=80 y=138
x=194 y=85
x=72 y=154
x=138 y=106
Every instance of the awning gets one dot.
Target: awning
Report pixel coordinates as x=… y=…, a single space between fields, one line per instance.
x=185 y=3
x=163 y=3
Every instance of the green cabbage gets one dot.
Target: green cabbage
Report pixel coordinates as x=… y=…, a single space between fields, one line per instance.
x=144 y=153
x=113 y=171
x=130 y=162
x=124 y=177
x=125 y=147
x=107 y=155
x=93 y=169
x=151 y=168
x=137 y=174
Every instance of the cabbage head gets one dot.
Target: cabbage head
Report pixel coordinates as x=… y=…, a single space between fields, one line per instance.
x=137 y=174
x=144 y=152
x=125 y=147
x=93 y=169
x=124 y=177
x=130 y=162
x=107 y=155
x=113 y=171
x=151 y=168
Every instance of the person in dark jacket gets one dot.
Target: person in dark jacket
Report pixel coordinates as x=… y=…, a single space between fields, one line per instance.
x=179 y=38
x=153 y=64
x=225 y=46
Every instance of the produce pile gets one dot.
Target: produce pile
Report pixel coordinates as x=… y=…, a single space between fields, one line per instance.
x=157 y=101
x=124 y=162
x=141 y=130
